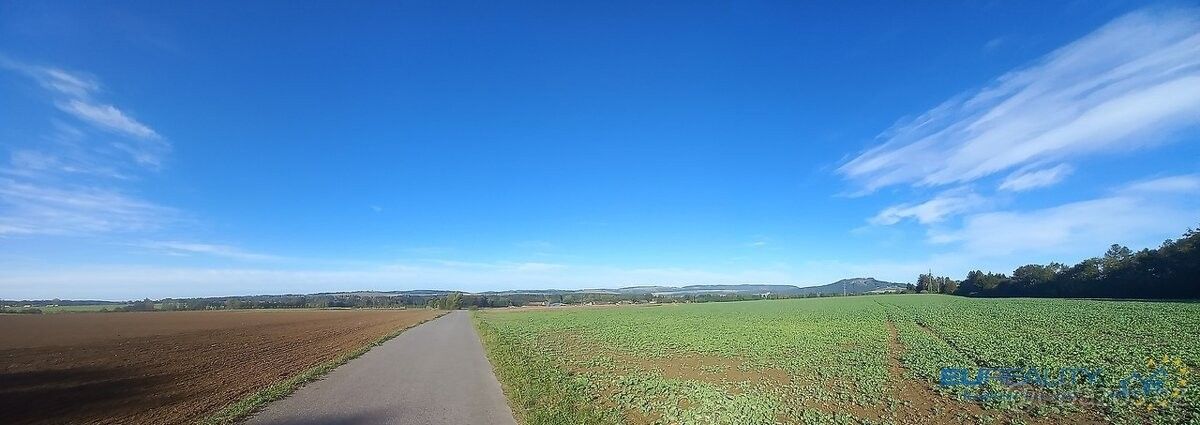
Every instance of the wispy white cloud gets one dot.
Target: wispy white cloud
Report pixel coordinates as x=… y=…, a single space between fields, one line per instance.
x=34 y=164
x=1023 y=180
x=1183 y=184
x=1118 y=88
x=216 y=250
x=69 y=182
x=66 y=153
x=75 y=94
x=107 y=117
x=1134 y=213
x=76 y=91
x=943 y=205
x=995 y=43
x=760 y=241
x=30 y=209
x=71 y=84
x=1129 y=84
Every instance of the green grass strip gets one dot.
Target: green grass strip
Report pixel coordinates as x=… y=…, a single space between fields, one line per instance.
x=242 y=409
x=538 y=392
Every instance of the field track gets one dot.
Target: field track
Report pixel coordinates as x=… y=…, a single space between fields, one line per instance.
x=435 y=373
x=168 y=367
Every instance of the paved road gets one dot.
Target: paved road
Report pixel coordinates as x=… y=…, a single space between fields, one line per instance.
x=435 y=373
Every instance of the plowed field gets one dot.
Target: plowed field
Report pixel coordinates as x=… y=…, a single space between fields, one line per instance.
x=168 y=367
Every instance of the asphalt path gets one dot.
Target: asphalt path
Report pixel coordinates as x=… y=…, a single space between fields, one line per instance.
x=435 y=373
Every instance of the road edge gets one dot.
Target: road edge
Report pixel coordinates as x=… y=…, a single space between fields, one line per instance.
x=237 y=411
x=536 y=390
x=488 y=340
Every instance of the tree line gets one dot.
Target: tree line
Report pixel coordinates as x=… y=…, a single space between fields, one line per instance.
x=1170 y=271
x=291 y=301
x=458 y=300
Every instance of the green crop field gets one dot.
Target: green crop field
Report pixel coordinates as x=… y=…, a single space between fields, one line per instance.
x=869 y=359
x=62 y=308
x=81 y=308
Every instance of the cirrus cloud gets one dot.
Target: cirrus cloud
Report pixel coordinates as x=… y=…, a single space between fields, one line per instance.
x=107 y=117
x=72 y=181
x=1023 y=180
x=942 y=206
x=216 y=250
x=1121 y=87
x=1130 y=214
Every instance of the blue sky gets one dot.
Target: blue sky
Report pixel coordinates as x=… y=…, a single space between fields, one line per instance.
x=152 y=149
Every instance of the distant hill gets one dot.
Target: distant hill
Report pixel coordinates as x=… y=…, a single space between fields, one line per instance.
x=858 y=285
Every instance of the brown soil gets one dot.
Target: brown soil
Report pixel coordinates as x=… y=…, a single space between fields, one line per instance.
x=924 y=404
x=921 y=402
x=168 y=367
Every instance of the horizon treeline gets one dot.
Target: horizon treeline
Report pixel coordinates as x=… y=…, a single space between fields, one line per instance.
x=1171 y=271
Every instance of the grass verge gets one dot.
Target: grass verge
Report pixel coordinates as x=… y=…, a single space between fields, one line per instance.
x=538 y=391
x=242 y=409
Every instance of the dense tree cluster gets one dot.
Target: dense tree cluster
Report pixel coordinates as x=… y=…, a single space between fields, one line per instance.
x=940 y=285
x=1171 y=271
x=452 y=301
x=143 y=305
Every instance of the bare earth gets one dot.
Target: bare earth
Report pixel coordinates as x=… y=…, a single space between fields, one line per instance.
x=168 y=367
